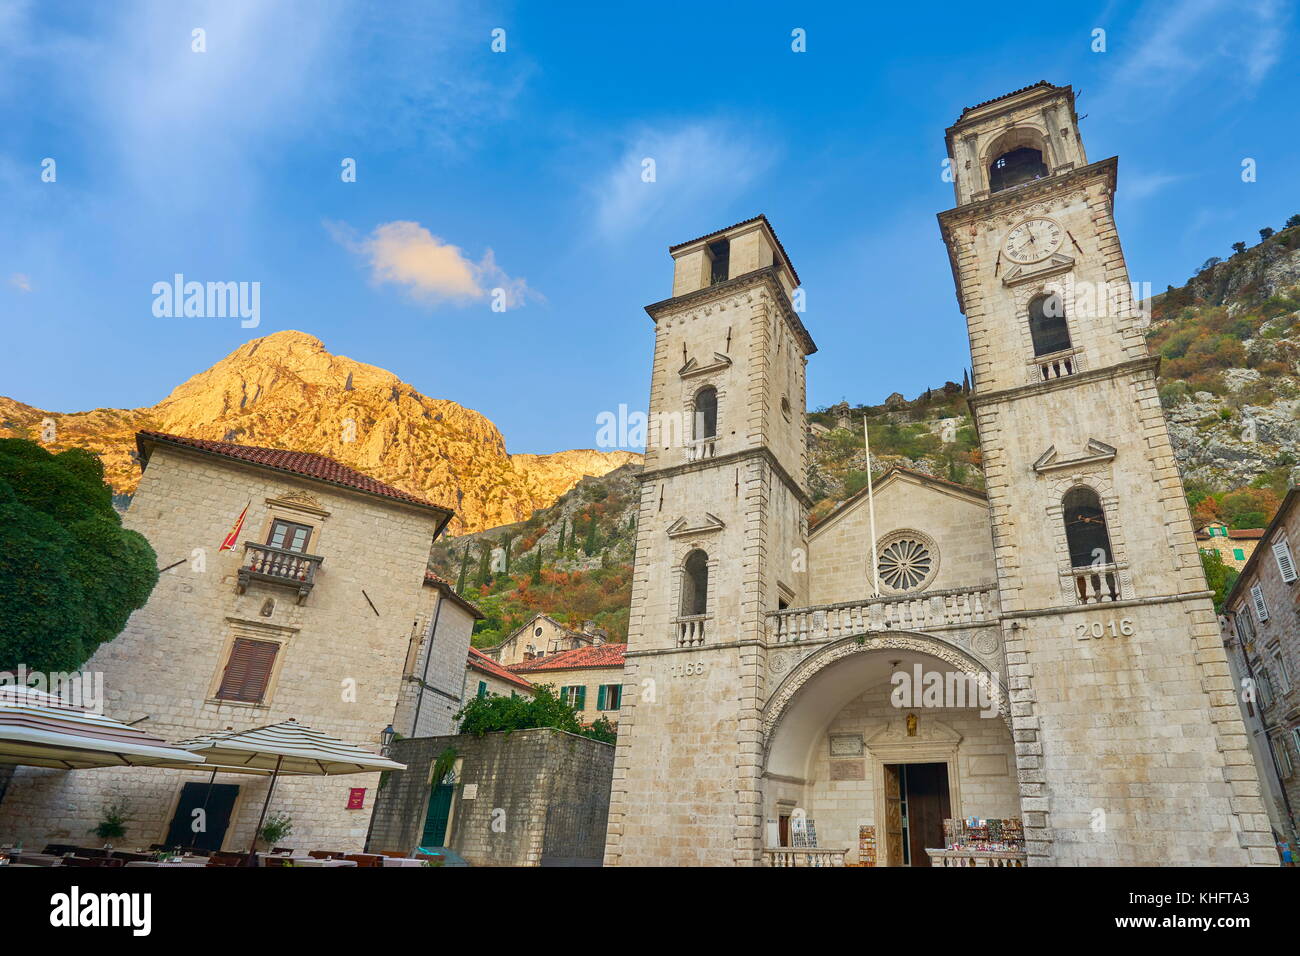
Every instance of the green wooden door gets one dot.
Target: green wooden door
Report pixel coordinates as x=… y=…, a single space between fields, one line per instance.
x=435 y=823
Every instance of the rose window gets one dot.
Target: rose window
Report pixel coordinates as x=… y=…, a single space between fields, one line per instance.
x=906 y=564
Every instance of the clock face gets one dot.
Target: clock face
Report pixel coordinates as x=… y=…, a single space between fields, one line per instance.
x=1033 y=240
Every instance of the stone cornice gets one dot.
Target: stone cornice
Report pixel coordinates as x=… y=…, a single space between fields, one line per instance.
x=975 y=401
x=767 y=274
x=735 y=457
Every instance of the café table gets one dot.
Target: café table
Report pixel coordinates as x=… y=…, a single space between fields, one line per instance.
x=37 y=859
x=175 y=864
x=403 y=861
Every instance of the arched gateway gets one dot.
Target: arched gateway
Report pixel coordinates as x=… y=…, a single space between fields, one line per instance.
x=853 y=741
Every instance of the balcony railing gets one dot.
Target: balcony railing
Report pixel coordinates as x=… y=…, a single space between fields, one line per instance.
x=802 y=856
x=1056 y=365
x=690 y=630
x=701 y=448
x=977 y=857
x=1097 y=585
x=904 y=612
x=263 y=562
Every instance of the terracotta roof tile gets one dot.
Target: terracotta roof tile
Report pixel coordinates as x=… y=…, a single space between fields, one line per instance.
x=481 y=662
x=1005 y=96
x=443 y=585
x=606 y=655
x=303 y=463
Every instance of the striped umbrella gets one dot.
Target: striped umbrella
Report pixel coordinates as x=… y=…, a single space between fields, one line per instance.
x=288 y=747
x=41 y=730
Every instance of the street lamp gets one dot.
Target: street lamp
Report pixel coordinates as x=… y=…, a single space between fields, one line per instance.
x=386 y=739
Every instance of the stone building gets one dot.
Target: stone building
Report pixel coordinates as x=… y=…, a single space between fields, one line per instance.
x=1235 y=546
x=1262 y=632
x=589 y=678
x=543 y=635
x=317 y=614
x=771 y=679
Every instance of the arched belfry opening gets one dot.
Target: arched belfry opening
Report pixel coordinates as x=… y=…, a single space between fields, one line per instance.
x=1085 y=528
x=695 y=584
x=706 y=413
x=1047 y=325
x=1013 y=168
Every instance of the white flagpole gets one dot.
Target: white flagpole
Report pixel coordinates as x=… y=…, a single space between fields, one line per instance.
x=871 y=508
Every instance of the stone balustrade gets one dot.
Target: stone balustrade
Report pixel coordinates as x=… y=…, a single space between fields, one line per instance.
x=802 y=856
x=1097 y=585
x=263 y=562
x=977 y=857
x=690 y=629
x=914 y=612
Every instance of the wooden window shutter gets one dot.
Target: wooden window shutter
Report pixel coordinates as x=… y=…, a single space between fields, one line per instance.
x=581 y=702
x=1285 y=563
x=1257 y=598
x=248 y=671
x=600 y=697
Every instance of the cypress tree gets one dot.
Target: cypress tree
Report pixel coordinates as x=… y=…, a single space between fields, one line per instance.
x=506 y=543
x=537 y=571
x=559 y=548
x=464 y=571
x=484 y=564
x=592 y=538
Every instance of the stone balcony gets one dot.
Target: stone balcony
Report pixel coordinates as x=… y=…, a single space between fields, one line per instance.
x=271 y=565
x=802 y=856
x=977 y=857
x=928 y=611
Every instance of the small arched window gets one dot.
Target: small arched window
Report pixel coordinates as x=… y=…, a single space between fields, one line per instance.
x=706 y=413
x=1020 y=165
x=1085 y=528
x=695 y=584
x=1047 y=325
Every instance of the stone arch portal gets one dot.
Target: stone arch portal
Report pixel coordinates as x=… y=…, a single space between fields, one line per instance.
x=820 y=685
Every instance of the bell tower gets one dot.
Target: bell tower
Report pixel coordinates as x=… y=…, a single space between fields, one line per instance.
x=721 y=541
x=1129 y=744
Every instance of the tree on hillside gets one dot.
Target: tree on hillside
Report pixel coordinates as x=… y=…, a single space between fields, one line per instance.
x=506 y=542
x=537 y=569
x=464 y=571
x=1211 y=262
x=484 y=564
x=70 y=574
x=559 y=548
x=1238 y=248
x=1218 y=575
x=1265 y=233
x=1293 y=221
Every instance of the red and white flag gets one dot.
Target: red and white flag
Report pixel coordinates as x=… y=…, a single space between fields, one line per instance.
x=233 y=537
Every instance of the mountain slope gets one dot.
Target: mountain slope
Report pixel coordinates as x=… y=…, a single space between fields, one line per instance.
x=287 y=391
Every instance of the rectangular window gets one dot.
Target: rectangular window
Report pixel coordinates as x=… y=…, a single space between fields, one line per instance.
x=248 y=671
x=1245 y=629
x=1265 y=687
x=1278 y=746
x=1257 y=599
x=289 y=535
x=1283 y=672
x=482 y=689
x=1285 y=563
x=720 y=253
x=1295 y=738
x=1238 y=554
x=609 y=697
x=575 y=696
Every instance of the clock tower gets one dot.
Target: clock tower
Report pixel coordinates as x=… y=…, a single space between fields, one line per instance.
x=1129 y=745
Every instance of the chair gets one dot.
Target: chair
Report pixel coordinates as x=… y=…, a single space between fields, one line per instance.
x=325 y=854
x=59 y=849
x=274 y=860
x=221 y=858
x=392 y=854
x=365 y=859
x=286 y=850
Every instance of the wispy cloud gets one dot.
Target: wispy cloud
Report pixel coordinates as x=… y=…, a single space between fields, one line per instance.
x=697 y=167
x=1169 y=47
x=1140 y=185
x=430 y=270
x=21 y=282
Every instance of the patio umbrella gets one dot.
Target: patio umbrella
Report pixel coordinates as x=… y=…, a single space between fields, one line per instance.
x=288 y=747
x=41 y=730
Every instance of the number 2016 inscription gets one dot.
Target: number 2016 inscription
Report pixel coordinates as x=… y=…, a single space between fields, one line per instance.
x=1097 y=629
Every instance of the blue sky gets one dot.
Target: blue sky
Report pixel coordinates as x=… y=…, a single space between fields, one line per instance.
x=520 y=170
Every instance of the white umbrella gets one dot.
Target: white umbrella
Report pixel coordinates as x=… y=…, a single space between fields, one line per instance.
x=288 y=747
x=40 y=730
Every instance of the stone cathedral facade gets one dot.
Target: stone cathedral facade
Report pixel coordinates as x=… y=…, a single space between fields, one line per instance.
x=763 y=669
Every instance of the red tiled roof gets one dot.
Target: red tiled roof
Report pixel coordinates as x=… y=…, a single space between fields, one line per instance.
x=443 y=585
x=1248 y=534
x=606 y=655
x=481 y=662
x=305 y=464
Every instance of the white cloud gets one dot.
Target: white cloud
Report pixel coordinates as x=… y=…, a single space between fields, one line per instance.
x=698 y=167
x=431 y=270
x=1141 y=185
x=1170 y=46
x=22 y=283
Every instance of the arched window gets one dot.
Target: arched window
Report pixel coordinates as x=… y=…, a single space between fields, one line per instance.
x=1085 y=528
x=695 y=584
x=706 y=413
x=1020 y=165
x=1047 y=324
